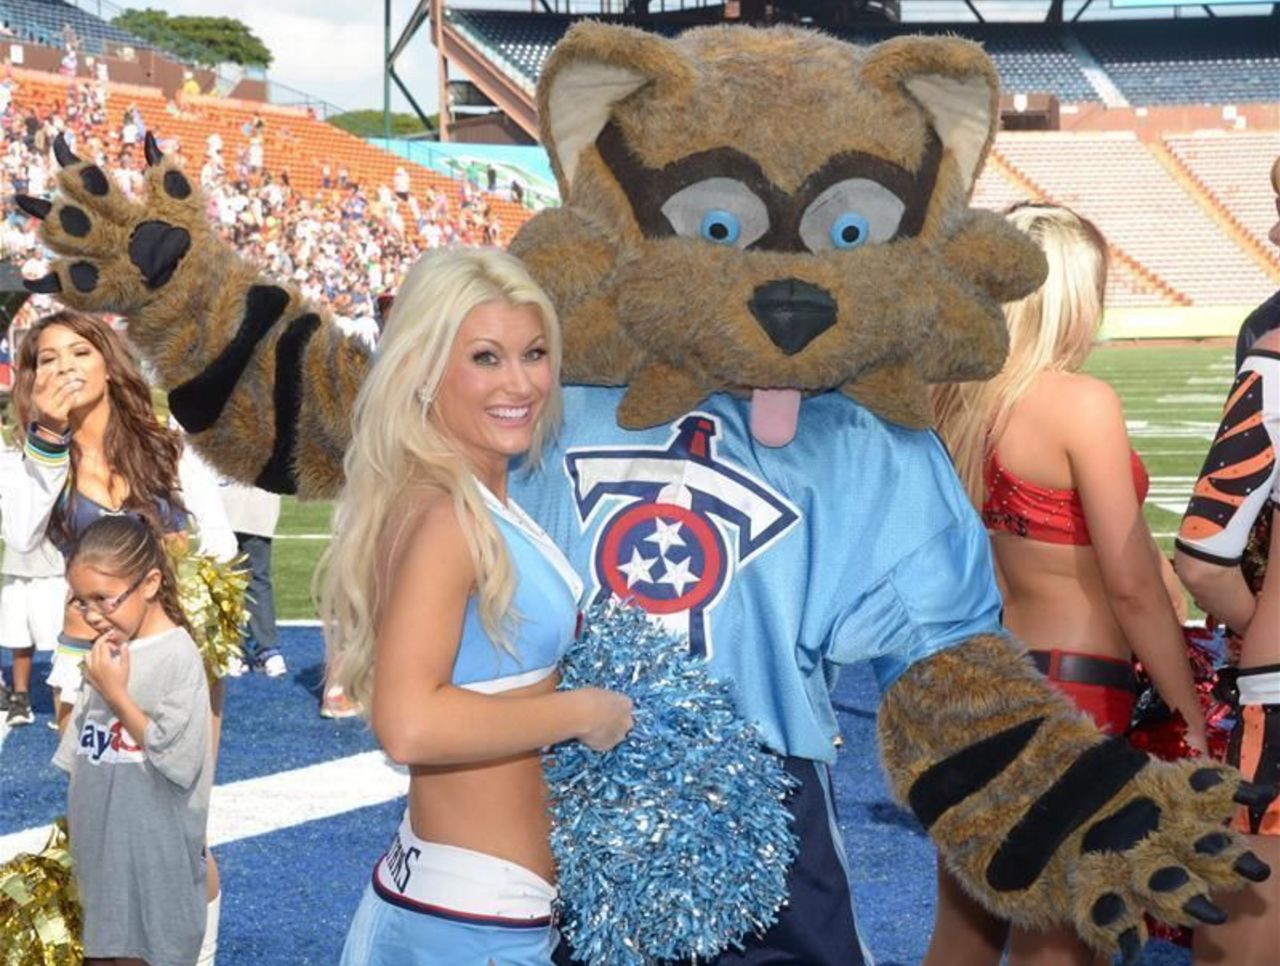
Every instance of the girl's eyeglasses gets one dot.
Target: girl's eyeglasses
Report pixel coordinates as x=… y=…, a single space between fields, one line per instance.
x=108 y=605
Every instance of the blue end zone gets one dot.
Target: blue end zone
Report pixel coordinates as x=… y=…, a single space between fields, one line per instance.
x=288 y=895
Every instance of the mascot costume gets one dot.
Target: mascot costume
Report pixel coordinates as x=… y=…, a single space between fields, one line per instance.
x=764 y=257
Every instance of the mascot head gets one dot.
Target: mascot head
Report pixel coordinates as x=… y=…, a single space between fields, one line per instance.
x=772 y=213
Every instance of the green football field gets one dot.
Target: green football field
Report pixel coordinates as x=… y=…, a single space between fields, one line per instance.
x=1173 y=398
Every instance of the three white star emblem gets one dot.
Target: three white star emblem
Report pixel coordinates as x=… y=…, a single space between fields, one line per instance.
x=640 y=568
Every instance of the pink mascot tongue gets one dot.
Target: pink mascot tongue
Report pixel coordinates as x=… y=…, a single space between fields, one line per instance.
x=773 y=415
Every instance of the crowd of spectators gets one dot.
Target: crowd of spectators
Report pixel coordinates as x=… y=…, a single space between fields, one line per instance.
x=345 y=244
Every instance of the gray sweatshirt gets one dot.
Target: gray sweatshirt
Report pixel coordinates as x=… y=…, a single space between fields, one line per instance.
x=137 y=815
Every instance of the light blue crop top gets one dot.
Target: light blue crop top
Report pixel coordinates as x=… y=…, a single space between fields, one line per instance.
x=545 y=603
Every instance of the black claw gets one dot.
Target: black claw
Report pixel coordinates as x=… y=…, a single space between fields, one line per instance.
x=1199 y=907
x=1255 y=796
x=1252 y=868
x=1130 y=946
x=35 y=207
x=49 y=285
x=66 y=157
x=152 y=150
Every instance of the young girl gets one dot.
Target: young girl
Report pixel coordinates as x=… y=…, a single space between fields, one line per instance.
x=139 y=754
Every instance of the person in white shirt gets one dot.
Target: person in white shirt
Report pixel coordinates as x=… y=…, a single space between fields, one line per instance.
x=32 y=593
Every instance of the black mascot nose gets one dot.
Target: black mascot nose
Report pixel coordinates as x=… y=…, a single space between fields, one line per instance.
x=792 y=313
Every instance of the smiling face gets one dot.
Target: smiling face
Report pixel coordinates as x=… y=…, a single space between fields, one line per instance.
x=495 y=385
x=62 y=353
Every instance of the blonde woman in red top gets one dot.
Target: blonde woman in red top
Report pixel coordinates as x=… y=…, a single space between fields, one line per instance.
x=1044 y=453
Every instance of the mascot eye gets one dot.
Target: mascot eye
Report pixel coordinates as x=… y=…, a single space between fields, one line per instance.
x=850 y=214
x=719 y=210
x=849 y=231
x=720 y=226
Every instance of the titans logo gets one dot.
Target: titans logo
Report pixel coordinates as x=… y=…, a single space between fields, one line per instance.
x=677 y=524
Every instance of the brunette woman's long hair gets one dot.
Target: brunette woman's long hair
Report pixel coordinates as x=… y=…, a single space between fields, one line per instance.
x=137 y=447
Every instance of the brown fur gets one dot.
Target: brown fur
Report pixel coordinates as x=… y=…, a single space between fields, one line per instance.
x=921 y=723
x=182 y=326
x=921 y=309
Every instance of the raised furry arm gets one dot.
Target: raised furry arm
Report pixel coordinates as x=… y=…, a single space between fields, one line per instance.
x=262 y=380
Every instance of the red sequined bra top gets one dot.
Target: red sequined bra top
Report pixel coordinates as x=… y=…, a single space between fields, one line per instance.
x=1042 y=513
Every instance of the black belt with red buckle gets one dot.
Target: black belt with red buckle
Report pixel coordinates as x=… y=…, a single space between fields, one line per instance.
x=1083 y=669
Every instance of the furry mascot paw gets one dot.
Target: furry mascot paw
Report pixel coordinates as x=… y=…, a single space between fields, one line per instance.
x=204 y=318
x=117 y=256
x=1043 y=819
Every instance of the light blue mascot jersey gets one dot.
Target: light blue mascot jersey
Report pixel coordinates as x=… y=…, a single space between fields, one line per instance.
x=854 y=542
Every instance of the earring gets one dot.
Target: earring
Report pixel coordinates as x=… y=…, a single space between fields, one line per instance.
x=423 y=398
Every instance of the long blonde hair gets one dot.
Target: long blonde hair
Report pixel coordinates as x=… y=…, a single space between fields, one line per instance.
x=399 y=455
x=1051 y=330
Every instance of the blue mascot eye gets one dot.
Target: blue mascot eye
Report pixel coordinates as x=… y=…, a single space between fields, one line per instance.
x=849 y=231
x=720 y=226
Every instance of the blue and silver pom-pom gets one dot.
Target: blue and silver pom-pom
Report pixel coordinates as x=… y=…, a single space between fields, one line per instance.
x=676 y=843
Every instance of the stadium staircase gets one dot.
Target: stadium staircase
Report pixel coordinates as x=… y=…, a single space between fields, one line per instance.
x=292 y=140
x=1198 y=192
x=1093 y=72
x=1129 y=282
x=1112 y=178
x=1230 y=168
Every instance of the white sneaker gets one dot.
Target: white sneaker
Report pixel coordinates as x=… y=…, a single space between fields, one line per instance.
x=274 y=666
x=236 y=667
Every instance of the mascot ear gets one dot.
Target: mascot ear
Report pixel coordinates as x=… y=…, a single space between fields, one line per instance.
x=590 y=71
x=956 y=85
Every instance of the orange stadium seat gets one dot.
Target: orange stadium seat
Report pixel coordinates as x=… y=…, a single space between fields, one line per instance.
x=292 y=140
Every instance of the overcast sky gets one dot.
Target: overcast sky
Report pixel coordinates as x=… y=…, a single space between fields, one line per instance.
x=332 y=49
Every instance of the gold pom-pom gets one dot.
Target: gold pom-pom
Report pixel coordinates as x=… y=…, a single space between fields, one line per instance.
x=40 y=907
x=212 y=594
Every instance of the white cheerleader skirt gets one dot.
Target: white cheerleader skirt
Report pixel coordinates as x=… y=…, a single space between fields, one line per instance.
x=438 y=905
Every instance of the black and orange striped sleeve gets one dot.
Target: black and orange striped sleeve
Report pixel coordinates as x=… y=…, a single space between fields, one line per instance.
x=1241 y=471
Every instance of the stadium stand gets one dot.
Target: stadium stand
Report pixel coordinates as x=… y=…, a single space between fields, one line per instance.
x=43 y=22
x=1236 y=59
x=1150 y=62
x=1117 y=181
x=520 y=43
x=293 y=141
x=339 y=217
x=1232 y=168
x=1031 y=58
x=1128 y=285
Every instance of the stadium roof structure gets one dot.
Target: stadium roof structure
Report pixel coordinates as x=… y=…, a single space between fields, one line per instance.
x=1077 y=51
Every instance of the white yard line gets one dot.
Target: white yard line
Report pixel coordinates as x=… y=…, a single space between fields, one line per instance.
x=258 y=806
